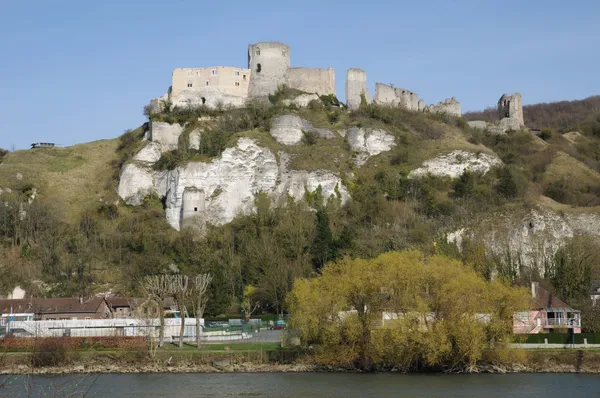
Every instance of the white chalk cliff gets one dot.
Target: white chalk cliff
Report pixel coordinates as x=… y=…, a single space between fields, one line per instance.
x=453 y=164
x=229 y=183
x=529 y=239
x=368 y=142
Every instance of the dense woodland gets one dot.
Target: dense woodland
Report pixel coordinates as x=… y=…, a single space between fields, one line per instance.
x=109 y=246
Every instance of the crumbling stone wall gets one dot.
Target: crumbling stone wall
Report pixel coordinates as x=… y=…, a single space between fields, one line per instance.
x=511 y=106
x=388 y=95
x=356 y=87
x=311 y=80
x=449 y=106
x=269 y=63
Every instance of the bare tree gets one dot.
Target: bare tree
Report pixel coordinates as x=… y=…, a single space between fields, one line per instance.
x=199 y=300
x=157 y=288
x=178 y=287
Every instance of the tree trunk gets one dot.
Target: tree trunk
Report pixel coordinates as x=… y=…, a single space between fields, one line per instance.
x=198 y=330
x=199 y=313
x=181 y=308
x=161 y=330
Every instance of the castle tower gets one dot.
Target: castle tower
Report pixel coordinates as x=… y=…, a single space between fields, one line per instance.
x=356 y=87
x=511 y=106
x=268 y=62
x=193 y=205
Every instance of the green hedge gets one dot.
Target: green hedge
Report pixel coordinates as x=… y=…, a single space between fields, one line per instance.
x=558 y=338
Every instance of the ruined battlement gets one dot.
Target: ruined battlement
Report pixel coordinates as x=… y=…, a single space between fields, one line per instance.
x=449 y=106
x=269 y=67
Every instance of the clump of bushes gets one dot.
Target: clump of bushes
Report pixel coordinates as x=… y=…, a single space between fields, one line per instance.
x=284 y=92
x=3 y=152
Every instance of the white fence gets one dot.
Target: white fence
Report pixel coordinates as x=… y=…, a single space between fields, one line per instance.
x=117 y=327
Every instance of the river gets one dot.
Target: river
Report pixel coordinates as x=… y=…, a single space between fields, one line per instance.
x=303 y=385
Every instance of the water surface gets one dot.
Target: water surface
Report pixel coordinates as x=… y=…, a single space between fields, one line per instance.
x=335 y=385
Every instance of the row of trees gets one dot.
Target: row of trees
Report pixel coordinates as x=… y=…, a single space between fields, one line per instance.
x=184 y=290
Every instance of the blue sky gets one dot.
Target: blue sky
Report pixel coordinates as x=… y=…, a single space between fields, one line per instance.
x=78 y=71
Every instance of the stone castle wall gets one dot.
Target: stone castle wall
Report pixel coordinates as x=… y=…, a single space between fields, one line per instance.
x=450 y=106
x=356 y=87
x=312 y=80
x=388 y=95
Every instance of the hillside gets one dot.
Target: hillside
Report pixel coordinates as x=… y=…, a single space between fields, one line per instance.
x=71 y=179
x=283 y=191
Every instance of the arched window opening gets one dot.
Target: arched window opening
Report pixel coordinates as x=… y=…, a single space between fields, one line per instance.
x=203 y=100
x=257 y=51
x=195 y=209
x=258 y=68
x=189 y=84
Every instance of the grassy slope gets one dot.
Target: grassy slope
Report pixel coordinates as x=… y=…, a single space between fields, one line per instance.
x=74 y=178
x=78 y=178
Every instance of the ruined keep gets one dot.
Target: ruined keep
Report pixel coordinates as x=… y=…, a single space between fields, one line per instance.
x=270 y=66
x=269 y=62
x=356 y=88
x=511 y=106
x=510 y=111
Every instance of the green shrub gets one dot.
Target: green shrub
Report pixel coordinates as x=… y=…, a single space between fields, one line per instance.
x=330 y=100
x=110 y=211
x=546 y=134
x=309 y=137
x=284 y=92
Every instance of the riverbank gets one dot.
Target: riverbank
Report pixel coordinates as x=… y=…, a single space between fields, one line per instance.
x=537 y=361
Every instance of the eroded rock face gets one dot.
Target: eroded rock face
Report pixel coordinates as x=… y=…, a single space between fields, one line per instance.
x=165 y=134
x=228 y=185
x=288 y=129
x=135 y=183
x=531 y=239
x=453 y=164
x=237 y=176
x=369 y=142
x=149 y=154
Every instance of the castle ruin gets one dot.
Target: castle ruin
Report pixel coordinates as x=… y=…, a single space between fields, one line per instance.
x=510 y=113
x=511 y=106
x=269 y=67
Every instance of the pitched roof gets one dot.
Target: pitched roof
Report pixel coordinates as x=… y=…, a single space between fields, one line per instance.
x=545 y=299
x=51 y=305
x=122 y=302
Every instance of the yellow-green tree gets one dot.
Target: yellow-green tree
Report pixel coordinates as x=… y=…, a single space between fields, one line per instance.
x=440 y=312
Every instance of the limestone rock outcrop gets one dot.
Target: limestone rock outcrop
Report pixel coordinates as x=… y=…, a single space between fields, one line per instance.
x=149 y=154
x=289 y=129
x=135 y=183
x=453 y=164
x=215 y=192
x=529 y=239
x=369 y=142
x=165 y=134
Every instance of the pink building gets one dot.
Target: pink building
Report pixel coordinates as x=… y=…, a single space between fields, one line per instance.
x=548 y=314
